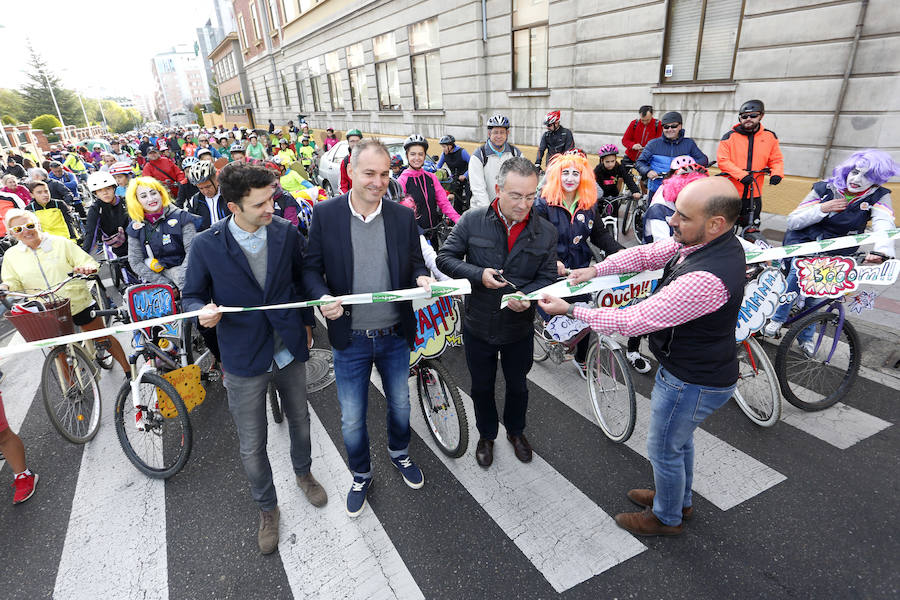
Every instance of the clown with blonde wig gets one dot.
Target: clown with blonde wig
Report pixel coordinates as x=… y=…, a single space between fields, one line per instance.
x=159 y=235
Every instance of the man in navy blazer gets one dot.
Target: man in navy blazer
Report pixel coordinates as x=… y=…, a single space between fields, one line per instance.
x=253 y=258
x=359 y=243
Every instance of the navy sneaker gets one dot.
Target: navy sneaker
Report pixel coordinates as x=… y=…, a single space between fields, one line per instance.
x=412 y=474
x=356 y=499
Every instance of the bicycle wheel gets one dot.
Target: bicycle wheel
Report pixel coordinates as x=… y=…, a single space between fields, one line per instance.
x=102 y=355
x=275 y=402
x=815 y=382
x=162 y=446
x=757 y=386
x=637 y=222
x=442 y=408
x=611 y=390
x=626 y=224
x=71 y=394
x=541 y=348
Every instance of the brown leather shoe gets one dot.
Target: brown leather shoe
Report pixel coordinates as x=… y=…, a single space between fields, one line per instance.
x=312 y=489
x=644 y=499
x=267 y=537
x=484 y=452
x=646 y=523
x=521 y=447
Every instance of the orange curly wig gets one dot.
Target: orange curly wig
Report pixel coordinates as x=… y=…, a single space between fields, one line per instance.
x=587 y=188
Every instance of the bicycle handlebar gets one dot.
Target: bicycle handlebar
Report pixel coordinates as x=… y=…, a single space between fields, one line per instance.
x=112 y=312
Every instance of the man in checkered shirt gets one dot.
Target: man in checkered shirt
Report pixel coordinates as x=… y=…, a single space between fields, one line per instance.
x=690 y=319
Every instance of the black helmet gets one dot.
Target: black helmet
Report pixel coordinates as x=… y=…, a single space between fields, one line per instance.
x=447 y=139
x=752 y=106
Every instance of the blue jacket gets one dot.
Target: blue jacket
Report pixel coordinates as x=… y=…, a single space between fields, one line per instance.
x=69 y=180
x=328 y=268
x=218 y=272
x=657 y=156
x=164 y=237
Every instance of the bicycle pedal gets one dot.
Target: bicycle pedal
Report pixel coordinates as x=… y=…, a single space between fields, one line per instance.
x=212 y=375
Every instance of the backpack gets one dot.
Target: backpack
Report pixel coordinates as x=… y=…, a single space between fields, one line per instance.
x=482 y=153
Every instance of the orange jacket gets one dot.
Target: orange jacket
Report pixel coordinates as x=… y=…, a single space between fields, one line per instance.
x=740 y=152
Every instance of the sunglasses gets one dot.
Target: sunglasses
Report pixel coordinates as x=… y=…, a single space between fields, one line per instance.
x=748 y=116
x=21 y=228
x=672 y=126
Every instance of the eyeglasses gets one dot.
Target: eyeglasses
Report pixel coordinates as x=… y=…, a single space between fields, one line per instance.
x=21 y=228
x=748 y=116
x=672 y=126
x=519 y=197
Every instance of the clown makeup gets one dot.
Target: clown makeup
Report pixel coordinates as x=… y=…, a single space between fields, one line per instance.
x=570 y=177
x=150 y=199
x=857 y=180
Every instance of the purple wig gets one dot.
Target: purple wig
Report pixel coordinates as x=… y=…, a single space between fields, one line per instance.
x=878 y=164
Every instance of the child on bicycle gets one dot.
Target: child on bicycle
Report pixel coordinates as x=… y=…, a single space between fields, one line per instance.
x=684 y=170
x=107 y=217
x=610 y=173
x=24 y=480
x=425 y=189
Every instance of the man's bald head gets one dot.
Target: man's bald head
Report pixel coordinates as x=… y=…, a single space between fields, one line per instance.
x=704 y=210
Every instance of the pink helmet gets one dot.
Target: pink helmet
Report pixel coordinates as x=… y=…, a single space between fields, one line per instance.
x=608 y=150
x=683 y=162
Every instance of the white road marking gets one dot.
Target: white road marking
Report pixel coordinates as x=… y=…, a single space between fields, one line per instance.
x=325 y=553
x=564 y=534
x=839 y=425
x=21 y=379
x=722 y=474
x=116 y=539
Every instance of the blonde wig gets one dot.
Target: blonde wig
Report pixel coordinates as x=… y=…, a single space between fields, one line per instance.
x=135 y=209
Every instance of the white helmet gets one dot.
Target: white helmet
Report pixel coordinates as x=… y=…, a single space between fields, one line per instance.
x=99 y=180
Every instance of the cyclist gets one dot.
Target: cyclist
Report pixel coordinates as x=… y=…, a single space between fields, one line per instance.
x=556 y=140
x=122 y=172
x=610 y=173
x=425 y=189
x=53 y=214
x=203 y=142
x=254 y=148
x=206 y=203
x=58 y=191
x=457 y=160
x=236 y=152
x=187 y=190
x=748 y=146
x=637 y=134
x=41 y=260
x=107 y=218
x=656 y=219
x=12 y=186
x=839 y=206
x=353 y=137
x=331 y=140
x=24 y=480
x=656 y=157
x=75 y=165
x=14 y=168
x=285 y=152
x=164 y=170
x=306 y=151
x=221 y=145
x=396 y=166
x=485 y=163
x=159 y=235
x=204 y=155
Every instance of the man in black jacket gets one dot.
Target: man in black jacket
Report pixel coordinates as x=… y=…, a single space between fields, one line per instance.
x=57 y=190
x=556 y=140
x=506 y=247
x=207 y=202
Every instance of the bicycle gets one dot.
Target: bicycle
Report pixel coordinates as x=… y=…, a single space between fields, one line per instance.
x=750 y=230
x=69 y=380
x=608 y=208
x=442 y=406
x=610 y=387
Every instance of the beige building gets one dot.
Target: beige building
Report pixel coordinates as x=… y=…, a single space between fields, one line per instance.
x=180 y=82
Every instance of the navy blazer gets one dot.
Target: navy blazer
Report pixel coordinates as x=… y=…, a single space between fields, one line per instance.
x=328 y=266
x=218 y=272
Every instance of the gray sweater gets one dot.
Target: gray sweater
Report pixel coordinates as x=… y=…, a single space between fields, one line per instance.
x=371 y=274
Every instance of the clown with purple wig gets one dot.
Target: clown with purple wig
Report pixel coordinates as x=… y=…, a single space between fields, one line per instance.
x=842 y=205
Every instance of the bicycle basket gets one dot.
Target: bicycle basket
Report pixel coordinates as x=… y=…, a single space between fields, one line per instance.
x=55 y=321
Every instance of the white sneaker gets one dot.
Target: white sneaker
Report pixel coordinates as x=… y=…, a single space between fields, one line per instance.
x=809 y=348
x=638 y=362
x=772 y=328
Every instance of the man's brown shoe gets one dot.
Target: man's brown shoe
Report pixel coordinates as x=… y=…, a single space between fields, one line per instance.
x=313 y=490
x=267 y=538
x=520 y=446
x=646 y=523
x=644 y=499
x=484 y=452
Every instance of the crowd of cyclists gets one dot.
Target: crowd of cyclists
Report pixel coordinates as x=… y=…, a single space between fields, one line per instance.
x=143 y=197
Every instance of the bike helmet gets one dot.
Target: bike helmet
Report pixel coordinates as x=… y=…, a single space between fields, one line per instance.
x=682 y=162
x=498 y=120
x=415 y=140
x=576 y=152
x=396 y=161
x=608 y=150
x=121 y=168
x=551 y=118
x=99 y=180
x=201 y=151
x=273 y=166
x=282 y=141
x=189 y=161
x=236 y=147
x=200 y=172
x=447 y=139
x=752 y=106
x=355 y=132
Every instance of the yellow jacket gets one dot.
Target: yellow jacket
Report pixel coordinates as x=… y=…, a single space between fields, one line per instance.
x=56 y=257
x=74 y=163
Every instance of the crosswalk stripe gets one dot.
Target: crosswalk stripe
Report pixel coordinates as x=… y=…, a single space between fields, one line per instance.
x=118 y=521
x=325 y=553
x=722 y=474
x=564 y=534
x=21 y=379
x=839 y=425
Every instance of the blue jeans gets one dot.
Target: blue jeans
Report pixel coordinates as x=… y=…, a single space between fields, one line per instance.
x=783 y=311
x=352 y=368
x=247 y=399
x=676 y=409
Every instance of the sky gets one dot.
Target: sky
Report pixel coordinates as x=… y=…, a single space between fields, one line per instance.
x=99 y=47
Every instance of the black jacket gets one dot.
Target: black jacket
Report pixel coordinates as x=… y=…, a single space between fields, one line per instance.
x=105 y=219
x=554 y=142
x=328 y=265
x=197 y=205
x=58 y=191
x=480 y=236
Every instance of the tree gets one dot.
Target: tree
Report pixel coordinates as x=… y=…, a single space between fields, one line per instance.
x=45 y=123
x=11 y=105
x=9 y=120
x=35 y=97
x=198 y=110
x=214 y=99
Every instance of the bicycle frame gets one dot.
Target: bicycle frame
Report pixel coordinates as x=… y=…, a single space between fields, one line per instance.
x=833 y=304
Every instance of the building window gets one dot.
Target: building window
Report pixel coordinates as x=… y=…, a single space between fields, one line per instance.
x=255 y=97
x=290 y=10
x=335 y=87
x=299 y=83
x=272 y=7
x=268 y=95
x=315 y=82
x=254 y=17
x=356 y=72
x=305 y=5
x=530 y=45
x=425 y=60
x=701 y=40
x=284 y=88
x=386 y=76
x=242 y=30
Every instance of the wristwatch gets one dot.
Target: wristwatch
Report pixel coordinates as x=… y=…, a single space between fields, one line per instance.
x=571 y=311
